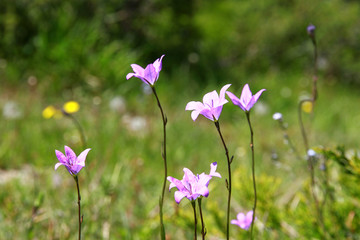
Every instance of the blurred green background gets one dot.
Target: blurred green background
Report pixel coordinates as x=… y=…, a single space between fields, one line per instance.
x=52 y=51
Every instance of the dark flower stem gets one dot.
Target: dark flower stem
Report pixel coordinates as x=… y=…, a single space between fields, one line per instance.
x=78 y=126
x=161 y=201
x=193 y=204
x=79 y=205
x=203 y=231
x=253 y=170
x=228 y=183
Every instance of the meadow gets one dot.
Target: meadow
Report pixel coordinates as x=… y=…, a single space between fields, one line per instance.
x=87 y=62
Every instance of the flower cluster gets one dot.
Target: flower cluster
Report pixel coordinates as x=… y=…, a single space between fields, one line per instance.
x=212 y=104
x=193 y=186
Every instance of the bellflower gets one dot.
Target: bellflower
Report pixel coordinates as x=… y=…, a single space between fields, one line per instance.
x=193 y=186
x=150 y=74
x=243 y=221
x=72 y=163
x=211 y=106
x=247 y=100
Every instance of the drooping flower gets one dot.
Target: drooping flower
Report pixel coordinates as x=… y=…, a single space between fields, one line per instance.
x=193 y=186
x=211 y=106
x=247 y=100
x=72 y=163
x=243 y=221
x=150 y=74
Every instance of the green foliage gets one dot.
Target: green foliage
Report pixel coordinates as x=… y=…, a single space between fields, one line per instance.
x=69 y=43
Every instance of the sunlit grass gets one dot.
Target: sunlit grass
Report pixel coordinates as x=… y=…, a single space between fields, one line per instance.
x=120 y=184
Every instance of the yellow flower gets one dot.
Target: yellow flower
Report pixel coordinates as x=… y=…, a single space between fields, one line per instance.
x=49 y=112
x=71 y=107
x=307 y=107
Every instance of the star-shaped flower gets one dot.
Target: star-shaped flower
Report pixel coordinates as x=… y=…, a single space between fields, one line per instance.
x=247 y=100
x=211 y=106
x=150 y=74
x=243 y=221
x=72 y=163
x=193 y=186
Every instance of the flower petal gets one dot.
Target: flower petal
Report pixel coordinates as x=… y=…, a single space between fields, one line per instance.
x=213 y=172
x=82 y=157
x=58 y=165
x=222 y=94
x=194 y=105
x=150 y=74
x=178 y=196
x=209 y=114
x=158 y=64
x=246 y=96
x=175 y=183
x=138 y=70
x=210 y=99
x=61 y=157
x=234 y=99
x=257 y=95
x=71 y=156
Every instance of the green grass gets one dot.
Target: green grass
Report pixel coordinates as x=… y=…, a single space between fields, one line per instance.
x=121 y=182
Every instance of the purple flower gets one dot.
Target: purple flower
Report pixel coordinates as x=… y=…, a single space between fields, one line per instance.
x=192 y=186
x=72 y=163
x=211 y=106
x=243 y=221
x=150 y=74
x=247 y=100
x=311 y=30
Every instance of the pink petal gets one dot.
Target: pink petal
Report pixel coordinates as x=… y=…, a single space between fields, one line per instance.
x=211 y=98
x=130 y=75
x=138 y=70
x=246 y=96
x=158 y=64
x=194 y=106
x=203 y=180
x=58 y=165
x=61 y=157
x=236 y=101
x=82 y=157
x=222 y=94
x=175 y=183
x=213 y=172
x=71 y=156
x=257 y=95
x=178 y=196
x=234 y=222
x=208 y=114
x=150 y=74
x=216 y=112
x=194 y=115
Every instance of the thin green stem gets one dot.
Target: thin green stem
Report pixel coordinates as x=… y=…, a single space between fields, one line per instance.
x=310 y=160
x=79 y=205
x=161 y=201
x=228 y=183
x=253 y=170
x=203 y=231
x=288 y=140
x=193 y=204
